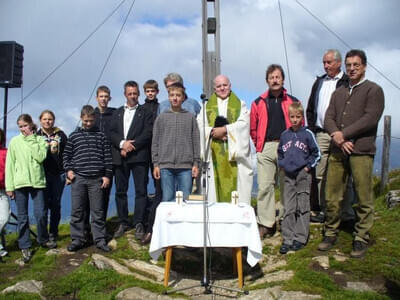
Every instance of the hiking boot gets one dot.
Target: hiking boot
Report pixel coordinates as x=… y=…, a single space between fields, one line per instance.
x=317 y=217
x=139 y=231
x=327 y=243
x=103 y=247
x=266 y=231
x=51 y=244
x=146 y=239
x=75 y=246
x=26 y=255
x=359 y=249
x=121 y=230
x=285 y=248
x=296 y=246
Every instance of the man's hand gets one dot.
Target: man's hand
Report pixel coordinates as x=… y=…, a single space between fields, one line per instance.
x=128 y=146
x=307 y=169
x=123 y=153
x=106 y=182
x=219 y=133
x=156 y=173
x=347 y=147
x=195 y=171
x=338 y=138
x=11 y=194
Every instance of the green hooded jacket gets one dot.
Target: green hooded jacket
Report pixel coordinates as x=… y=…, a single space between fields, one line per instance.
x=24 y=163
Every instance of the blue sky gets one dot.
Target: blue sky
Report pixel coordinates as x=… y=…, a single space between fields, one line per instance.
x=165 y=36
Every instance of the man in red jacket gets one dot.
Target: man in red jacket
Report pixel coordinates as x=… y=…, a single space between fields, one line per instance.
x=268 y=119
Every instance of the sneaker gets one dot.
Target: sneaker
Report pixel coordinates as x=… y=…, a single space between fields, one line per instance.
x=26 y=255
x=327 y=243
x=3 y=252
x=296 y=246
x=285 y=248
x=359 y=249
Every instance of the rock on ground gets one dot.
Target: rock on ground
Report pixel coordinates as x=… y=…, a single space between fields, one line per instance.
x=358 y=286
x=323 y=261
x=136 y=293
x=154 y=271
x=275 y=293
x=27 y=286
x=274 y=277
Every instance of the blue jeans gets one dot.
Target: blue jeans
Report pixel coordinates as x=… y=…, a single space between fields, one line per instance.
x=53 y=193
x=21 y=199
x=171 y=178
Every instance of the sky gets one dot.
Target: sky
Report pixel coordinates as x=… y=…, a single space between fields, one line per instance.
x=165 y=36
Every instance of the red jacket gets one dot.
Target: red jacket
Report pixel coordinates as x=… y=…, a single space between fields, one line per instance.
x=259 y=117
x=3 y=154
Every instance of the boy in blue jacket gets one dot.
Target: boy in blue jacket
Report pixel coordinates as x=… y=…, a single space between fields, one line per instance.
x=298 y=153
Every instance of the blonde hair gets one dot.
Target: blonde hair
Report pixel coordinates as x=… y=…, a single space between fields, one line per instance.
x=296 y=107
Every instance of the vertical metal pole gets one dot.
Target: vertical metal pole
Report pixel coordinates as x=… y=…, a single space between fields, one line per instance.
x=211 y=58
x=217 y=41
x=205 y=47
x=204 y=281
x=385 y=153
x=5 y=111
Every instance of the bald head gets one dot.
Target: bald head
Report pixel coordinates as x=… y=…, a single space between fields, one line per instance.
x=222 y=86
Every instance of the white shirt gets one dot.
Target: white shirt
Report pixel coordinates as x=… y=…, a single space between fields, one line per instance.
x=222 y=107
x=129 y=113
x=324 y=97
x=353 y=86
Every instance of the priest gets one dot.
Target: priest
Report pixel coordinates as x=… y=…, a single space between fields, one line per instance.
x=225 y=144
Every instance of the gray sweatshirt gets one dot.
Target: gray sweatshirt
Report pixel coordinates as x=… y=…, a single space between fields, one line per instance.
x=176 y=141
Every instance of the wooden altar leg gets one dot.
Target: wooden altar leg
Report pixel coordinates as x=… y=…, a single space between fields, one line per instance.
x=168 y=256
x=238 y=259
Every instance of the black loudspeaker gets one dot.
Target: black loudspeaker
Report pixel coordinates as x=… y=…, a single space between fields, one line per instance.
x=11 y=58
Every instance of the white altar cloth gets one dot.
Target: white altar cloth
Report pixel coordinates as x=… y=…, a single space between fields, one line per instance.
x=229 y=226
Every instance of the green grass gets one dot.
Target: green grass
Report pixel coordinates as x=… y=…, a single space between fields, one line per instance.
x=381 y=264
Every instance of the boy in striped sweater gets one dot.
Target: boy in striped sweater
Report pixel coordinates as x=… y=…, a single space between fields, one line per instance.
x=88 y=163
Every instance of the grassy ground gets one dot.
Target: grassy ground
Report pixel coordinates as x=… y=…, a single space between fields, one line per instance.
x=380 y=268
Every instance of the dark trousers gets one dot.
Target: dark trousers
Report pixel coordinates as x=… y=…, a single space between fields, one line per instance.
x=155 y=201
x=52 y=196
x=21 y=200
x=296 y=220
x=87 y=191
x=140 y=177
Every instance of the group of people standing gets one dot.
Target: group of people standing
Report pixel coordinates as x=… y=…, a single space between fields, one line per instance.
x=171 y=138
x=343 y=112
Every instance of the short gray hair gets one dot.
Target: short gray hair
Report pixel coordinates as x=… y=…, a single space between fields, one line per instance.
x=175 y=77
x=336 y=54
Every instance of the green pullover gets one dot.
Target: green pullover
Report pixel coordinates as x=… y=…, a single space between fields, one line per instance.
x=24 y=163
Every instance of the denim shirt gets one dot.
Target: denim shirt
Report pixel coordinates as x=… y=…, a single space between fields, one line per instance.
x=190 y=104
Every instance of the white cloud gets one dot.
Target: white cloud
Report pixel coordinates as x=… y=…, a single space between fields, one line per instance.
x=165 y=36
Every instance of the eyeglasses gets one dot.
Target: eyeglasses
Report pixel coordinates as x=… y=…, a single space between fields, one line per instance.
x=355 y=66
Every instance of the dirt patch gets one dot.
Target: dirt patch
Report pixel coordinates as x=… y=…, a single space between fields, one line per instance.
x=67 y=263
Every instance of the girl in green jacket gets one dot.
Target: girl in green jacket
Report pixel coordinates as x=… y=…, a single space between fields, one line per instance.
x=25 y=176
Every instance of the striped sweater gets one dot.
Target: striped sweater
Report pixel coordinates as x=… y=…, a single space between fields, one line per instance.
x=88 y=153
